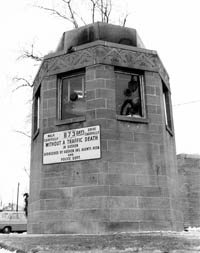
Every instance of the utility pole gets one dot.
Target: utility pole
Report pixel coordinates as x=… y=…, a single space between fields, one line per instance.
x=17 y=197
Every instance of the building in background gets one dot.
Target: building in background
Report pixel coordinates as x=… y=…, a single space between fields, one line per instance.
x=189 y=183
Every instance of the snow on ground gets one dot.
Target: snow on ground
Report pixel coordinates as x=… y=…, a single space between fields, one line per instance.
x=192 y=231
x=189 y=232
x=6 y=251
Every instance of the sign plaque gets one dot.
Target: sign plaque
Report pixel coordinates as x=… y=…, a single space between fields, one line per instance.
x=72 y=145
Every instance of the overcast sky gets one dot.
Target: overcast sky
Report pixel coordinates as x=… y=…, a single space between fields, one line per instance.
x=171 y=27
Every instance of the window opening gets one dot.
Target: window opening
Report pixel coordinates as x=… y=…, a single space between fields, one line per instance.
x=130 y=95
x=36 y=111
x=167 y=109
x=72 y=93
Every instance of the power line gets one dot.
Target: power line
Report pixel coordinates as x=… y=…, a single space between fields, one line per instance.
x=186 y=103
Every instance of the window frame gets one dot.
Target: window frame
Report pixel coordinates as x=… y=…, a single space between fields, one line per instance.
x=60 y=79
x=36 y=112
x=166 y=95
x=143 y=118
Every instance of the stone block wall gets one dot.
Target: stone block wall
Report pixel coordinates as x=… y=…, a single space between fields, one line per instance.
x=132 y=186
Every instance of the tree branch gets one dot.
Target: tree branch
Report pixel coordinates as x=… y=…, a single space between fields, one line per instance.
x=125 y=19
x=54 y=12
x=27 y=172
x=94 y=4
x=25 y=83
x=105 y=8
x=110 y=10
x=71 y=12
x=101 y=9
x=30 y=55
x=21 y=132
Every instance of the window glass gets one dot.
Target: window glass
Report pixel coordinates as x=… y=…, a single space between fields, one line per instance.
x=14 y=216
x=129 y=95
x=72 y=92
x=4 y=216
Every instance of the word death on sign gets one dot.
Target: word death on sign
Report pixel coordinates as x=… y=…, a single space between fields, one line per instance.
x=91 y=138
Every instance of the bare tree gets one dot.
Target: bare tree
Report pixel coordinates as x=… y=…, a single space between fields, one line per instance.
x=98 y=10
x=32 y=54
x=105 y=8
x=23 y=82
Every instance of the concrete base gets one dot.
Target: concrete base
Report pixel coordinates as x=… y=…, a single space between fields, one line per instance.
x=144 y=242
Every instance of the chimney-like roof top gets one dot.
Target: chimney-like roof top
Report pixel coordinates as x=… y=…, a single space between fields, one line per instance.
x=99 y=31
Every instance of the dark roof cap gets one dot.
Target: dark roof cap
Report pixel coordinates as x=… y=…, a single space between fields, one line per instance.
x=99 y=31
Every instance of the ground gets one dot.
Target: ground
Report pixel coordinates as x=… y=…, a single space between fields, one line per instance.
x=144 y=242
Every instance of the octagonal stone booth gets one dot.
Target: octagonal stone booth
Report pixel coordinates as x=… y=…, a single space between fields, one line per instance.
x=103 y=155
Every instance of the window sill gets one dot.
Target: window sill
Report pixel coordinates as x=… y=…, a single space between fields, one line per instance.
x=36 y=134
x=132 y=119
x=169 y=130
x=70 y=121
